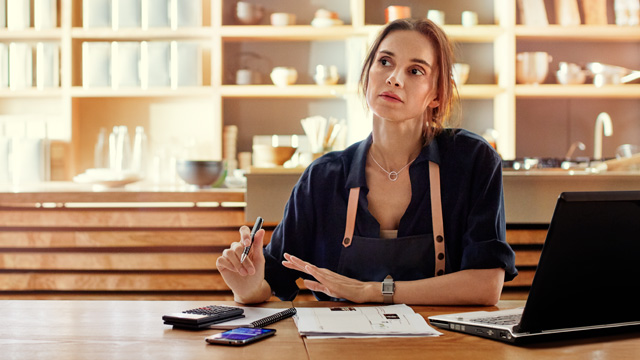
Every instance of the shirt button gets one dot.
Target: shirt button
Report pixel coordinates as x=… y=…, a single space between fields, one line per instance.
x=440 y=256
x=346 y=241
x=440 y=272
x=439 y=238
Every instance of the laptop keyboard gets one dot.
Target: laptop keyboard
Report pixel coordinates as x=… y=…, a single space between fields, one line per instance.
x=499 y=320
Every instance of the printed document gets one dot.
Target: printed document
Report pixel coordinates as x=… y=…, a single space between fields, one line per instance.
x=362 y=321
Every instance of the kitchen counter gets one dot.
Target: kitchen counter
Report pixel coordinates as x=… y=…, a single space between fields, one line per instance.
x=530 y=196
x=65 y=192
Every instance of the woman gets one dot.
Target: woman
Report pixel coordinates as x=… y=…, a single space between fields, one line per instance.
x=413 y=214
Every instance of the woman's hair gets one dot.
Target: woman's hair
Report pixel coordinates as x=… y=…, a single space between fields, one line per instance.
x=437 y=117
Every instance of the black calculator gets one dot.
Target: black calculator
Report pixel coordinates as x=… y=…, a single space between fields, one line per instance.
x=203 y=317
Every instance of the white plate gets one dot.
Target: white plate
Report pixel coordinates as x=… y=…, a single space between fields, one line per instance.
x=106 y=178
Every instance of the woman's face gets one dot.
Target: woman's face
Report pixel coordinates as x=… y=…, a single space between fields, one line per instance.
x=402 y=77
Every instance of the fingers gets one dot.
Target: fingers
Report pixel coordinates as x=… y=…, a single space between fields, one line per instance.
x=245 y=235
x=230 y=260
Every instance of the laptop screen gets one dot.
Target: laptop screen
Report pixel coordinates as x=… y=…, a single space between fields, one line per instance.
x=589 y=270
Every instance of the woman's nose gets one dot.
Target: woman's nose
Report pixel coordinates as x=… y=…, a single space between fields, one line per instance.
x=394 y=80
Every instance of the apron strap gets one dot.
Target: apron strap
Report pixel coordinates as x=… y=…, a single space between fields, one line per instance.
x=352 y=207
x=436 y=218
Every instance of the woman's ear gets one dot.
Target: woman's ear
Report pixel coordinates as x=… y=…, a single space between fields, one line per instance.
x=434 y=103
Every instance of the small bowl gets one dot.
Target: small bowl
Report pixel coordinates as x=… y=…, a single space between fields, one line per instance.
x=202 y=173
x=270 y=156
x=284 y=76
x=460 y=73
x=283 y=19
x=570 y=78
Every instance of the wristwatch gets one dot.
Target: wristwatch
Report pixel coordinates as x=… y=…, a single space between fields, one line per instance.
x=388 y=288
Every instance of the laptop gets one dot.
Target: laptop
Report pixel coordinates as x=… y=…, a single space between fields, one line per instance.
x=587 y=279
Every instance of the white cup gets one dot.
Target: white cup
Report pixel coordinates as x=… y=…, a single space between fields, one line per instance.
x=283 y=19
x=437 y=16
x=248 y=13
x=248 y=77
x=469 y=18
x=326 y=75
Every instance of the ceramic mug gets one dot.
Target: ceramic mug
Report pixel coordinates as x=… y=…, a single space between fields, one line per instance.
x=248 y=13
x=247 y=77
x=437 y=16
x=392 y=13
x=326 y=75
x=469 y=18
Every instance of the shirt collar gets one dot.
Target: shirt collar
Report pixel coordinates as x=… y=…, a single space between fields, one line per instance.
x=357 y=177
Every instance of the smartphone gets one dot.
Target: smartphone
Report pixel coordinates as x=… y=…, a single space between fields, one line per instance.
x=240 y=336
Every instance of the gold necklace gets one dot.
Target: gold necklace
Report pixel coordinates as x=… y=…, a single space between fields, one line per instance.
x=393 y=175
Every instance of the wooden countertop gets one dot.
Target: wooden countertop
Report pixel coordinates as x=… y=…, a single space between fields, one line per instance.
x=59 y=192
x=134 y=330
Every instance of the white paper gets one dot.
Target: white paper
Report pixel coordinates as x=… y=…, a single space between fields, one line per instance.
x=96 y=59
x=18 y=14
x=366 y=321
x=21 y=65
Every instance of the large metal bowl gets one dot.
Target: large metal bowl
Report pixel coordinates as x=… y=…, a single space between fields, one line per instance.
x=203 y=173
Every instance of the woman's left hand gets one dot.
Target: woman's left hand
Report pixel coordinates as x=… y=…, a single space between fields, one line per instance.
x=334 y=284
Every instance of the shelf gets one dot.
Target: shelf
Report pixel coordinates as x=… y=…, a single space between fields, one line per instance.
x=30 y=34
x=204 y=33
x=30 y=93
x=458 y=33
x=196 y=91
x=287 y=33
x=624 y=91
x=292 y=91
x=578 y=33
x=479 y=91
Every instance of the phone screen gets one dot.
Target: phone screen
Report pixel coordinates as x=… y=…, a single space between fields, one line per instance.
x=240 y=336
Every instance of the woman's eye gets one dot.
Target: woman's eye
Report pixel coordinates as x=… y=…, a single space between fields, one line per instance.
x=417 y=72
x=384 y=62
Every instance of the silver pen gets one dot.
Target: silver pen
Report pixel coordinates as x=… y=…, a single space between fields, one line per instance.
x=257 y=226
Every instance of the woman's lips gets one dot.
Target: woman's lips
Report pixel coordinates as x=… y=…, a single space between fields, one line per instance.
x=390 y=97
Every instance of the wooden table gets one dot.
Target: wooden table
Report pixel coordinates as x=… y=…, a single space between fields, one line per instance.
x=50 y=329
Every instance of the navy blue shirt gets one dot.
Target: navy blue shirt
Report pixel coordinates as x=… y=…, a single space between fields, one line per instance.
x=472 y=204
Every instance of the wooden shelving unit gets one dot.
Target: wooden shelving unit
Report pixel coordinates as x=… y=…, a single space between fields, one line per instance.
x=82 y=112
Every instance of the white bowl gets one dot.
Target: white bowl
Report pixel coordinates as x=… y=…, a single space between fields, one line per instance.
x=460 y=73
x=283 y=19
x=284 y=76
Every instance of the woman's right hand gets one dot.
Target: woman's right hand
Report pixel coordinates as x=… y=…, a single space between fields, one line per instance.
x=245 y=279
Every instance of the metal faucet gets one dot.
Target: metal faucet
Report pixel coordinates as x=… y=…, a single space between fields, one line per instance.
x=577 y=144
x=603 y=121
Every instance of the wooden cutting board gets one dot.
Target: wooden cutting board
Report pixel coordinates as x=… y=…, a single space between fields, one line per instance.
x=595 y=12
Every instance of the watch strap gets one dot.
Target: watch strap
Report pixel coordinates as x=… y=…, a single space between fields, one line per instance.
x=388 y=289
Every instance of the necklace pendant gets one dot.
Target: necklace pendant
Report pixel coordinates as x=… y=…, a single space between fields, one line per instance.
x=393 y=176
